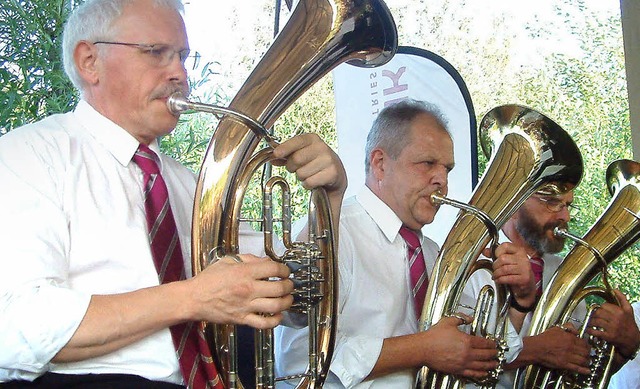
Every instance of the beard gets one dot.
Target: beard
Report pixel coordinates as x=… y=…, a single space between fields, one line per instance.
x=536 y=235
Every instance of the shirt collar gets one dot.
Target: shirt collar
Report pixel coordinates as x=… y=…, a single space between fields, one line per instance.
x=120 y=143
x=388 y=222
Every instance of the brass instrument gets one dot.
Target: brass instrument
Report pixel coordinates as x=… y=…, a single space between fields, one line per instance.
x=529 y=150
x=319 y=35
x=615 y=230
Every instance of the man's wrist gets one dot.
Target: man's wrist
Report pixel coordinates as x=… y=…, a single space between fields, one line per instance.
x=524 y=309
x=631 y=356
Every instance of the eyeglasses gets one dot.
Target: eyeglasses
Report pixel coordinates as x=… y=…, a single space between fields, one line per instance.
x=555 y=205
x=159 y=55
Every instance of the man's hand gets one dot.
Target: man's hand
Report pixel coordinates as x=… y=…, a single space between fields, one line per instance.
x=228 y=292
x=452 y=351
x=512 y=268
x=443 y=348
x=564 y=349
x=616 y=325
x=314 y=163
x=556 y=348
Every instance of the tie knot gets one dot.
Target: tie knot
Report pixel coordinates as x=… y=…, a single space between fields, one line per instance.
x=410 y=236
x=146 y=159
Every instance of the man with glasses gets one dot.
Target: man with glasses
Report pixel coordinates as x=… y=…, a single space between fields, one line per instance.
x=532 y=227
x=95 y=286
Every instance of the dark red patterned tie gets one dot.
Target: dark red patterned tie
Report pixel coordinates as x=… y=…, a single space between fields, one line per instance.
x=417 y=268
x=537 y=266
x=196 y=363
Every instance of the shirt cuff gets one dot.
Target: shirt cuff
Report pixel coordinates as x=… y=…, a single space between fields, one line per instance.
x=40 y=321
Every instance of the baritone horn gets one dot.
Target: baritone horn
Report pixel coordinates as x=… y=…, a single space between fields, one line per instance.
x=615 y=230
x=527 y=150
x=319 y=35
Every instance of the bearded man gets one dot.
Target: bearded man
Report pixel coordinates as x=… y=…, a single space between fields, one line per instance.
x=532 y=227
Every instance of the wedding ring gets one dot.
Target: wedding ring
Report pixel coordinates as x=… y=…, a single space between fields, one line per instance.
x=235 y=257
x=463 y=320
x=217 y=253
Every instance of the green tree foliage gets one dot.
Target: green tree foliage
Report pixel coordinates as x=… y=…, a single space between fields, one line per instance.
x=586 y=94
x=480 y=48
x=32 y=80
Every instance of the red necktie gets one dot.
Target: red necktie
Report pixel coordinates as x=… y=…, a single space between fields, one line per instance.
x=196 y=363
x=417 y=268
x=537 y=266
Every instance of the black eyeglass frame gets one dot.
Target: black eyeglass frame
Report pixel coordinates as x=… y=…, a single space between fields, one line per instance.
x=560 y=205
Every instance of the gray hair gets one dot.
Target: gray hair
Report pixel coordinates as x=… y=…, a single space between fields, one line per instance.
x=389 y=130
x=93 y=21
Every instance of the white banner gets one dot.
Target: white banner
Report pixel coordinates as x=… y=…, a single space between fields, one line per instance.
x=361 y=93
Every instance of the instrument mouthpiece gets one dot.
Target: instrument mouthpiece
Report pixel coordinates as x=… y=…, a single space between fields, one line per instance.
x=560 y=232
x=436 y=197
x=178 y=103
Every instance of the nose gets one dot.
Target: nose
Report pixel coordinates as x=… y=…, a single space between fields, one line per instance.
x=564 y=214
x=177 y=72
x=176 y=65
x=440 y=177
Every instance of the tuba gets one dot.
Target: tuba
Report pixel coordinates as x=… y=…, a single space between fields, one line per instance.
x=319 y=35
x=529 y=150
x=615 y=230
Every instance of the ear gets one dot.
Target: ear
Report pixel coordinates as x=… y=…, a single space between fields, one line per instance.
x=85 y=57
x=377 y=160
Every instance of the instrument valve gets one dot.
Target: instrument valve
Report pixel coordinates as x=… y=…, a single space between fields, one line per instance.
x=303 y=261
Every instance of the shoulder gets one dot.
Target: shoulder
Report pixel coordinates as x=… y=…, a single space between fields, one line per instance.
x=177 y=168
x=552 y=260
x=430 y=245
x=354 y=220
x=47 y=142
x=181 y=180
x=49 y=130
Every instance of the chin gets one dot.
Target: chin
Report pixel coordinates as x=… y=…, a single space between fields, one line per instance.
x=428 y=219
x=166 y=120
x=172 y=122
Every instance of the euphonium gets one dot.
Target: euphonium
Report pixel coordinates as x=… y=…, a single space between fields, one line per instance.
x=319 y=35
x=529 y=150
x=615 y=230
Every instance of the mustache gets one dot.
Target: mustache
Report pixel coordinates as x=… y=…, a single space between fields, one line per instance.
x=552 y=225
x=167 y=90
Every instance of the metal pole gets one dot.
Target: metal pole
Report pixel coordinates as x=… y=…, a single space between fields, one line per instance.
x=630 y=10
x=276 y=25
x=268 y=168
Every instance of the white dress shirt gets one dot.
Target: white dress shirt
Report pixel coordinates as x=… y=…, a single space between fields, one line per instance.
x=73 y=225
x=628 y=377
x=375 y=300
